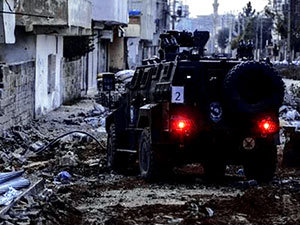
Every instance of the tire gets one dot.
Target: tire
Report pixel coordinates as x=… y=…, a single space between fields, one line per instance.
x=115 y=160
x=149 y=161
x=261 y=164
x=253 y=87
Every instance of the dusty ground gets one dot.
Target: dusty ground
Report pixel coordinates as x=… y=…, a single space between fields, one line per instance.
x=95 y=196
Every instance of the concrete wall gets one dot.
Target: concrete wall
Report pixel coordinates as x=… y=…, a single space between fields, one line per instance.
x=133 y=30
x=58 y=9
x=115 y=11
x=117 y=54
x=134 y=57
x=148 y=9
x=7 y=23
x=71 y=80
x=93 y=68
x=62 y=12
x=23 y=50
x=49 y=51
x=16 y=94
x=102 y=64
x=80 y=13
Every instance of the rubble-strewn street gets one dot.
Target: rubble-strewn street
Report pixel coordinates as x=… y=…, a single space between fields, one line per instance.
x=137 y=112
x=76 y=187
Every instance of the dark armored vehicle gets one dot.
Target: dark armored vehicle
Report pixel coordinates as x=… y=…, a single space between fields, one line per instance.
x=185 y=108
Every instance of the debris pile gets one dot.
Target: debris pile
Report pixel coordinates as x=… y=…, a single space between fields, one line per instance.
x=31 y=150
x=69 y=182
x=111 y=99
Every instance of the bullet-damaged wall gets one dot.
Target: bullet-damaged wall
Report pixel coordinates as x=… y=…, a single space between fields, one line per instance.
x=71 y=80
x=117 y=53
x=23 y=49
x=16 y=94
x=48 y=73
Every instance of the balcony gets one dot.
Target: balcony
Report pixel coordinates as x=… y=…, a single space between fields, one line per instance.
x=70 y=13
x=113 y=12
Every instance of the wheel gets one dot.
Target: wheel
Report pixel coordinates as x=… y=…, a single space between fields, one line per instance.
x=115 y=160
x=261 y=164
x=147 y=158
x=252 y=87
x=150 y=162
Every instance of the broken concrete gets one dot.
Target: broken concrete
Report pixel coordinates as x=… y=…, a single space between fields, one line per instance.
x=93 y=195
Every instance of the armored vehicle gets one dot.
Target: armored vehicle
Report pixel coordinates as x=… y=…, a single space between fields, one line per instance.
x=184 y=107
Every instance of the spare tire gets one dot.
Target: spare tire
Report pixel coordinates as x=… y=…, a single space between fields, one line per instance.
x=252 y=87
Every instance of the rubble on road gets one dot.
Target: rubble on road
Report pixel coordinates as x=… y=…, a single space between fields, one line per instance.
x=77 y=153
x=71 y=185
x=290 y=125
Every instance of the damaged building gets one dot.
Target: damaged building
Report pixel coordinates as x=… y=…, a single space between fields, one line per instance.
x=52 y=51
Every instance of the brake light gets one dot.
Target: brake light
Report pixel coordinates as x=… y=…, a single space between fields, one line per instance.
x=181 y=124
x=268 y=126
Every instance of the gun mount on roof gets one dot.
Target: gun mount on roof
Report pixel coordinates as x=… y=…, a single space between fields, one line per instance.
x=171 y=42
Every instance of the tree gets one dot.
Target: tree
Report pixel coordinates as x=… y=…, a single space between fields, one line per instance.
x=254 y=27
x=249 y=19
x=248 y=11
x=247 y=25
x=281 y=23
x=223 y=36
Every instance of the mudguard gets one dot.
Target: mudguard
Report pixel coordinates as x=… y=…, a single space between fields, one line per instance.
x=150 y=115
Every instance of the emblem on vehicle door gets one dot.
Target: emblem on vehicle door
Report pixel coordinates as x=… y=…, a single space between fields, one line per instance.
x=216 y=112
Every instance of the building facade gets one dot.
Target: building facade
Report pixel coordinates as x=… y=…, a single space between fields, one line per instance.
x=33 y=64
x=51 y=52
x=147 y=20
x=109 y=19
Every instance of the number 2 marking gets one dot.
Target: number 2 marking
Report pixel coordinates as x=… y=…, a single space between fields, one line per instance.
x=178 y=96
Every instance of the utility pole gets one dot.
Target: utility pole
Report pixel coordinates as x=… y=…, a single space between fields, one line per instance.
x=261 y=37
x=289 y=32
x=230 y=23
x=174 y=15
x=215 y=21
x=256 y=39
x=177 y=11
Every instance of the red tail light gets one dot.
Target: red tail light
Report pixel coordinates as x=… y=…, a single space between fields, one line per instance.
x=181 y=124
x=268 y=126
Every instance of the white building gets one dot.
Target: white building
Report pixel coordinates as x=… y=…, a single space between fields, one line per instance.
x=36 y=76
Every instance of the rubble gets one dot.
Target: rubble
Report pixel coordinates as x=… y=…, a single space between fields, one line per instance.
x=63 y=177
x=69 y=160
x=20 y=147
x=10 y=194
x=76 y=187
x=290 y=125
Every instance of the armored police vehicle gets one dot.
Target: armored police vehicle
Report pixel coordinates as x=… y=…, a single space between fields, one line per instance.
x=184 y=107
